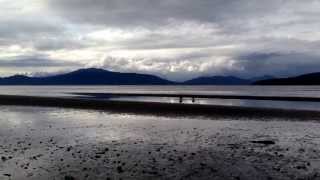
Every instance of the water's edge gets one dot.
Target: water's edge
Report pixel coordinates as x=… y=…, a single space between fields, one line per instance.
x=162 y=109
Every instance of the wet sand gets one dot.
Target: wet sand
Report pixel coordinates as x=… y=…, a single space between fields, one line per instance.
x=59 y=143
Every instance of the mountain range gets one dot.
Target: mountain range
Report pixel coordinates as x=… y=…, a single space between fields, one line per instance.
x=94 y=76
x=91 y=76
x=306 y=79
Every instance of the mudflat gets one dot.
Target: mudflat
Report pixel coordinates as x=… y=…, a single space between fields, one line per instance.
x=59 y=143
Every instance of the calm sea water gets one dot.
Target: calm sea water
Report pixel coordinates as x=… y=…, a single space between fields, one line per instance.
x=301 y=91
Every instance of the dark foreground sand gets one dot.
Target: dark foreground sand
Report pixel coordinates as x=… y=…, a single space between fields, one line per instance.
x=57 y=143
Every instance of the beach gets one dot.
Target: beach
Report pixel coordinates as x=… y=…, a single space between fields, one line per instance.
x=55 y=134
x=74 y=143
x=159 y=90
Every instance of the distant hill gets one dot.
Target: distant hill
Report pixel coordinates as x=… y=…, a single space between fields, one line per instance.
x=307 y=79
x=91 y=76
x=94 y=76
x=225 y=80
x=261 y=78
x=218 y=80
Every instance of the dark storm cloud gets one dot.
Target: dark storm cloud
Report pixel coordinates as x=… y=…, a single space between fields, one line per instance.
x=155 y=12
x=35 y=61
x=279 y=64
x=41 y=35
x=259 y=56
x=17 y=28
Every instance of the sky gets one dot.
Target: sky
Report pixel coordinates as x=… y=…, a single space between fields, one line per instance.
x=174 y=39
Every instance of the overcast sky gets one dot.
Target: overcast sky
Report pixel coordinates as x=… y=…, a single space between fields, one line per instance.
x=176 y=39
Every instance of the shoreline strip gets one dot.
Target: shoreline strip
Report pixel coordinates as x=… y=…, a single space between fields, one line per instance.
x=204 y=96
x=160 y=109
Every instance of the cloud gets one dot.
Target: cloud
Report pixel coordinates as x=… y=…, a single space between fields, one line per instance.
x=154 y=13
x=35 y=65
x=278 y=64
x=177 y=68
x=177 y=39
x=35 y=61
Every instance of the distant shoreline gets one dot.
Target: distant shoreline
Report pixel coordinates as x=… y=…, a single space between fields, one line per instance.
x=161 y=109
x=207 y=96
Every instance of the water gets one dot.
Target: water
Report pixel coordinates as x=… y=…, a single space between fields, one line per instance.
x=300 y=91
x=305 y=91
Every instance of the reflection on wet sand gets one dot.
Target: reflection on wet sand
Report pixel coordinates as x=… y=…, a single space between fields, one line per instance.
x=229 y=102
x=56 y=143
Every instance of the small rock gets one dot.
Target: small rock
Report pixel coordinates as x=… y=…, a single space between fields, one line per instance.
x=119 y=169
x=69 y=178
x=264 y=142
x=3 y=158
x=69 y=148
x=302 y=167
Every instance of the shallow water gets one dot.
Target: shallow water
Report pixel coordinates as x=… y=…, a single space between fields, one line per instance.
x=304 y=91
x=301 y=91
x=54 y=143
